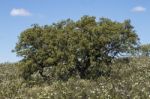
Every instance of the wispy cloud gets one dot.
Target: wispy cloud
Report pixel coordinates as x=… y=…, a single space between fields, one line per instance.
x=138 y=9
x=19 y=12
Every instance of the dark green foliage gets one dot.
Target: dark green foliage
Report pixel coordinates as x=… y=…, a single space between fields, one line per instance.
x=84 y=48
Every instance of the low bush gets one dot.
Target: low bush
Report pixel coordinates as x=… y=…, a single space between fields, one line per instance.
x=127 y=81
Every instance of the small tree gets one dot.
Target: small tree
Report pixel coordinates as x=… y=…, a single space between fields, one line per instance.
x=145 y=50
x=84 y=48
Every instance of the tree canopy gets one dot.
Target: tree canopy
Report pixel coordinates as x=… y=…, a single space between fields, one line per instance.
x=83 y=48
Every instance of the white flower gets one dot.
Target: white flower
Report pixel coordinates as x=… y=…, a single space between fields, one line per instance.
x=93 y=92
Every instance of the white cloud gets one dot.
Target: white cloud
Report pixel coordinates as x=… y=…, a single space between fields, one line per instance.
x=138 y=9
x=19 y=12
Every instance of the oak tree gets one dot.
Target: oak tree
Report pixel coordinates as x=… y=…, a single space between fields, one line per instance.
x=83 y=48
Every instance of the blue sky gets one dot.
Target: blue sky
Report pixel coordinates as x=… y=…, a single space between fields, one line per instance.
x=18 y=15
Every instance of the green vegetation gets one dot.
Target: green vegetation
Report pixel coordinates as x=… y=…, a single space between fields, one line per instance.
x=86 y=59
x=127 y=81
x=85 y=48
x=145 y=50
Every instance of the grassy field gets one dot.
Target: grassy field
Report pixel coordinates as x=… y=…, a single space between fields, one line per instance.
x=127 y=81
